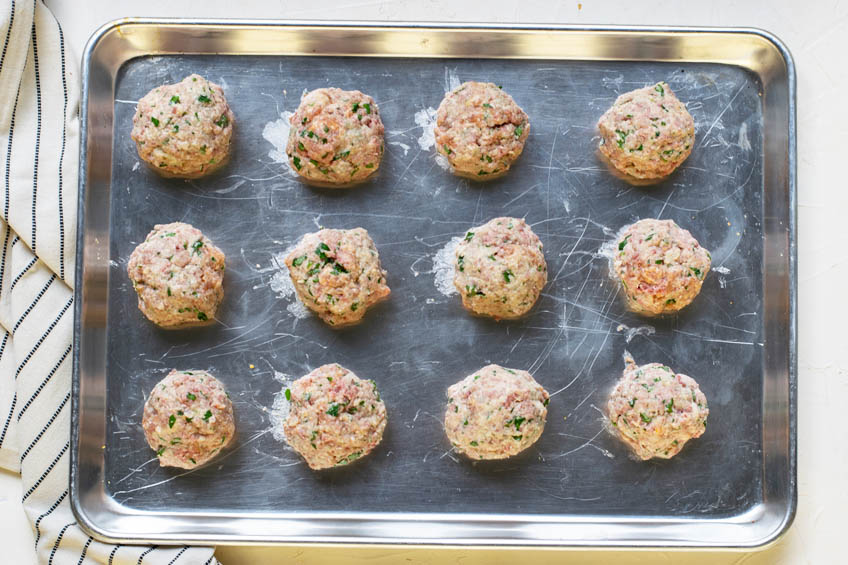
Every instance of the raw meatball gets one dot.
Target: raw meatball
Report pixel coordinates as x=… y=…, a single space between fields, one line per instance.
x=656 y=411
x=337 y=274
x=184 y=129
x=495 y=413
x=647 y=133
x=481 y=130
x=336 y=137
x=660 y=265
x=335 y=417
x=188 y=419
x=178 y=275
x=500 y=269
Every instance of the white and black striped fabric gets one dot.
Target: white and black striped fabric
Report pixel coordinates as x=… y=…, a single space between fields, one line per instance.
x=39 y=141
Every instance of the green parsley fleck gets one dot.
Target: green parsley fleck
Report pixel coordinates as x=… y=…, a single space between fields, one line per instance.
x=622 y=136
x=155 y=121
x=516 y=421
x=299 y=260
x=320 y=249
x=171 y=420
x=472 y=290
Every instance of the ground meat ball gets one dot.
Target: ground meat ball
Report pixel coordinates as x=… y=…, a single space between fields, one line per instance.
x=188 y=419
x=337 y=274
x=647 y=133
x=660 y=265
x=335 y=417
x=500 y=269
x=336 y=137
x=184 y=129
x=656 y=411
x=495 y=413
x=481 y=130
x=178 y=275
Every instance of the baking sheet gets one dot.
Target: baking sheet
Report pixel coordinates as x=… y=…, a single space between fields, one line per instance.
x=420 y=341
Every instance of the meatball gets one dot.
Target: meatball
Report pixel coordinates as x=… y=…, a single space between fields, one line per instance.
x=337 y=274
x=495 y=413
x=335 y=417
x=647 y=133
x=656 y=411
x=500 y=269
x=178 y=275
x=660 y=265
x=188 y=419
x=336 y=137
x=184 y=129
x=481 y=130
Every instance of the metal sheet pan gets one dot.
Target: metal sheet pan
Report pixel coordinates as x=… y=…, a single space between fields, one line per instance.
x=577 y=486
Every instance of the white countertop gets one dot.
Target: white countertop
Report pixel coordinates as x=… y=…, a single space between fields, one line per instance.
x=816 y=33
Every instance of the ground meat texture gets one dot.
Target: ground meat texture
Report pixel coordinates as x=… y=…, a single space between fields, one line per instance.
x=495 y=413
x=647 y=133
x=656 y=411
x=500 y=269
x=188 y=419
x=178 y=275
x=184 y=130
x=337 y=274
x=481 y=130
x=660 y=265
x=335 y=417
x=336 y=137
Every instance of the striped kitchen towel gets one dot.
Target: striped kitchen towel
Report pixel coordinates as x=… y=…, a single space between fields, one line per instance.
x=39 y=140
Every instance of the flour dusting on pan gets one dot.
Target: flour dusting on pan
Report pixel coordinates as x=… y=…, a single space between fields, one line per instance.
x=277 y=134
x=444 y=267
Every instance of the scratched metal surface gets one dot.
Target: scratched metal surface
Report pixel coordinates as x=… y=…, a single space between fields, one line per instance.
x=420 y=341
